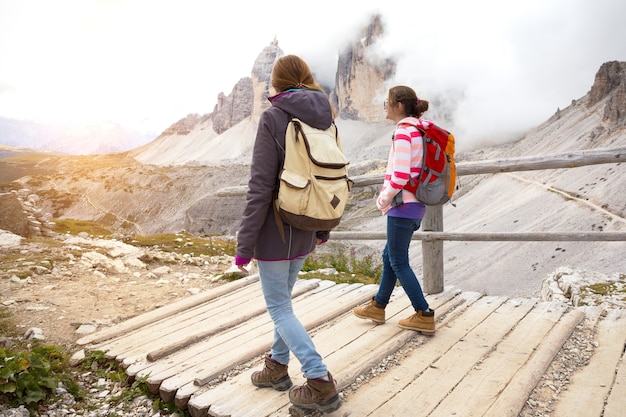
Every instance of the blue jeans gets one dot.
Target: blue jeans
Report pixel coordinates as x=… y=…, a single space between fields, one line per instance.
x=396 y=263
x=277 y=281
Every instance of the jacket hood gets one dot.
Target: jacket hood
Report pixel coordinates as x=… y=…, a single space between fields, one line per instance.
x=310 y=106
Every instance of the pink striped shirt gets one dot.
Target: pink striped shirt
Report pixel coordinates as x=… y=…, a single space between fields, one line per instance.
x=405 y=159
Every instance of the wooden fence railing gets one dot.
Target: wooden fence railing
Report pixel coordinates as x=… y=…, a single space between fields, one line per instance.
x=432 y=234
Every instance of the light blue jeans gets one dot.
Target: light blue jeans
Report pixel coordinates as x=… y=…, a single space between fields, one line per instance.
x=396 y=265
x=277 y=281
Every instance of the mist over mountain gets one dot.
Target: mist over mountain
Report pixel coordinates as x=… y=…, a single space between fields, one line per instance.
x=224 y=135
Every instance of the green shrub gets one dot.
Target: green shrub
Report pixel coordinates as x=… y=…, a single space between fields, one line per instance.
x=30 y=377
x=350 y=268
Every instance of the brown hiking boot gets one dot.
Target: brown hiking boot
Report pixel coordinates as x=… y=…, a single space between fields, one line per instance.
x=316 y=394
x=274 y=374
x=423 y=321
x=371 y=311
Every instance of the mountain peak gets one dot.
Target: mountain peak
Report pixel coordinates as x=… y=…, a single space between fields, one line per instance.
x=361 y=76
x=610 y=84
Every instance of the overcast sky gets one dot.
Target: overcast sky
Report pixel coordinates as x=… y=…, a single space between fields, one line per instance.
x=506 y=65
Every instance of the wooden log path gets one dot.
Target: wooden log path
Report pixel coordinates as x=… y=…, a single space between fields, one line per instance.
x=486 y=358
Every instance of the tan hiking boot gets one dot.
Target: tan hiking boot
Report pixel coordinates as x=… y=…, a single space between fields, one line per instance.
x=274 y=374
x=316 y=394
x=370 y=311
x=423 y=321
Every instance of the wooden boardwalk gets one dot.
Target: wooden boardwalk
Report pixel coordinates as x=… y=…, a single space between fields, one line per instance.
x=486 y=358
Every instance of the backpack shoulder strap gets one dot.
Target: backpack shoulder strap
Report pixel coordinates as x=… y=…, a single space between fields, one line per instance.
x=297 y=125
x=277 y=218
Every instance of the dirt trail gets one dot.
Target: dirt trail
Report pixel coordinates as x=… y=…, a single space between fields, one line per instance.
x=571 y=196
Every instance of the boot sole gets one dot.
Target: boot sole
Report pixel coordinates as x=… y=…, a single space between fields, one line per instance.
x=325 y=407
x=423 y=331
x=368 y=318
x=280 y=385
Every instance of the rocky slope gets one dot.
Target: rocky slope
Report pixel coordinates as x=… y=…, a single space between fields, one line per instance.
x=577 y=199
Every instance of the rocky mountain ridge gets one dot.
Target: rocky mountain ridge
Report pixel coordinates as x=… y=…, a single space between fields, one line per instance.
x=590 y=122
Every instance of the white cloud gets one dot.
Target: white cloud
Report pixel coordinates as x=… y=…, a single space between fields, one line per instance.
x=506 y=66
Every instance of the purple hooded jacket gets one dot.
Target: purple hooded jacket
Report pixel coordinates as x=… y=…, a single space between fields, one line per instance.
x=258 y=235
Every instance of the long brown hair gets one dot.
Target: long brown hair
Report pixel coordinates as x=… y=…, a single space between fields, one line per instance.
x=413 y=106
x=290 y=71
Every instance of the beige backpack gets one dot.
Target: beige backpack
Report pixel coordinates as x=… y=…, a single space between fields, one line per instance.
x=313 y=186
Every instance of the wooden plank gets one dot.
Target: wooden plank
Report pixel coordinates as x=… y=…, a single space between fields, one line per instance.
x=353 y=357
x=259 y=402
x=616 y=402
x=165 y=311
x=143 y=366
x=509 y=402
x=381 y=347
x=486 y=379
x=334 y=304
x=540 y=162
x=174 y=327
x=362 y=355
x=369 y=397
x=214 y=356
x=195 y=336
x=590 y=387
x=434 y=384
x=311 y=316
x=187 y=357
x=366 y=352
x=182 y=331
x=335 y=344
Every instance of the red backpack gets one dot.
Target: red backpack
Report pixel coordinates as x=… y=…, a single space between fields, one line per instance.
x=437 y=180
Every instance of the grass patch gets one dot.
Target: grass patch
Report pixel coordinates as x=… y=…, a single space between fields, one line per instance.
x=602 y=288
x=7 y=325
x=349 y=268
x=339 y=277
x=186 y=244
x=75 y=227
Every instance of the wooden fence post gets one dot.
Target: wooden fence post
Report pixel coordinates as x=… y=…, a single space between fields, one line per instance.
x=432 y=251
